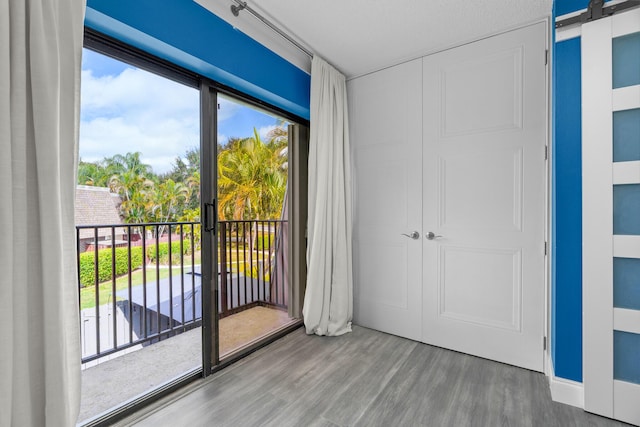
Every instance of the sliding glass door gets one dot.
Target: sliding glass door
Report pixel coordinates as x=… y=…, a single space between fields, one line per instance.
x=252 y=224
x=183 y=227
x=138 y=232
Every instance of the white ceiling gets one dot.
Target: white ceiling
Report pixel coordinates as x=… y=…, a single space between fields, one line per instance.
x=361 y=36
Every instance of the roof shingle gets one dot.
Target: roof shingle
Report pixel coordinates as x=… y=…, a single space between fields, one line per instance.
x=96 y=206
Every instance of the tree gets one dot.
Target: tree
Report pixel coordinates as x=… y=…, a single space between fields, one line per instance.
x=193 y=184
x=135 y=191
x=134 y=182
x=167 y=200
x=251 y=178
x=93 y=173
x=192 y=215
x=129 y=162
x=87 y=173
x=184 y=166
x=186 y=169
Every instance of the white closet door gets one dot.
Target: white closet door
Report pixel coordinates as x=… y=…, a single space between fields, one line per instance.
x=611 y=215
x=385 y=111
x=484 y=138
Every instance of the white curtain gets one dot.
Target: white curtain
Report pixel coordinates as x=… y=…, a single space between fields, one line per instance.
x=40 y=54
x=328 y=301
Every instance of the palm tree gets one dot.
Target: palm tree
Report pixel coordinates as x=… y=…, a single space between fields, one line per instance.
x=193 y=184
x=129 y=162
x=128 y=183
x=133 y=181
x=167 y=203
x=135 y=192
x=251 y=178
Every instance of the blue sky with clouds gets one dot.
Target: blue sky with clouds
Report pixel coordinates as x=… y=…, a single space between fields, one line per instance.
x=125 y=109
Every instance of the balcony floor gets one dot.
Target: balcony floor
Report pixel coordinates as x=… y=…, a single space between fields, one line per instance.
x=112 y=382
x=365 y=378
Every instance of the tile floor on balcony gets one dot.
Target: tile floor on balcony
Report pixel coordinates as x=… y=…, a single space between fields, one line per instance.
x=115 y=381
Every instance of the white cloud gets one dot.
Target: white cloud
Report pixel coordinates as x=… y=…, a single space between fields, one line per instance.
x=227 y=108
x=264 y=132
x=138 y=111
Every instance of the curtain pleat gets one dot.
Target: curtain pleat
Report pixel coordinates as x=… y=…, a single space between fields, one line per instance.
x=328 y=301
x=40 y=55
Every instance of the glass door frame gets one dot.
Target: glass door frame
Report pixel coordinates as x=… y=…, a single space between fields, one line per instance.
x=298 y=155
x=209 y=91
x=116 y=49
x=208 y=217
x=603 y=393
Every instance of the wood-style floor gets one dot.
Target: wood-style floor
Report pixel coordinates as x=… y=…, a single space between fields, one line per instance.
x=109 y=383
x=366 y=378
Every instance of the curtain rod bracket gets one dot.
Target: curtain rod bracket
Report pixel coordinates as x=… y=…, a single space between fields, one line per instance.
x=235 y=9
x=240 y=5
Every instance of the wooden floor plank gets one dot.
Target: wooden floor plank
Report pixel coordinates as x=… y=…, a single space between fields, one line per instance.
x=344 y=388
x=368 y=378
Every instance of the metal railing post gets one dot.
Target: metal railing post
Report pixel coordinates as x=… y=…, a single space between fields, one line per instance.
x=256 y=240
x=222 y=257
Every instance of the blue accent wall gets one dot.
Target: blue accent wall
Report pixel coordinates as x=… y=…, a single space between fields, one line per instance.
x=566 y=287
x=184 y=33
x=567 y=6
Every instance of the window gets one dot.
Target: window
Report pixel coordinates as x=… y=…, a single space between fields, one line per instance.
x=148 y=259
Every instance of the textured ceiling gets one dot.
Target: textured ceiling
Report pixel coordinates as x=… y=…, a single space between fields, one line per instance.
x=360 y=36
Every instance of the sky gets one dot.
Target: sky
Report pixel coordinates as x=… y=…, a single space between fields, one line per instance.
x=126 y=109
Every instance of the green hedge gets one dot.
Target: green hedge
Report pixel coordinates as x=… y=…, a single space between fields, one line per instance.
x=163 y=252
x=87 y=264
x=87 y=260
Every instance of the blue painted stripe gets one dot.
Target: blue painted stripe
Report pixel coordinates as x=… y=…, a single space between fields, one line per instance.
x=567 y=281
x=563 y=7
x=188 y=35
x=552 y=320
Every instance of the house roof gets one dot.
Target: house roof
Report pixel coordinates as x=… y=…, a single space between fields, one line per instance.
x=96 y=206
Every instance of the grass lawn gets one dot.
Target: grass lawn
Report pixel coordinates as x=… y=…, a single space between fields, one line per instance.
x=88 y=294
x=88 y=297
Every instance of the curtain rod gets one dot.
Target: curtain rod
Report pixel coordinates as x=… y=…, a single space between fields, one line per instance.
x=243 y=5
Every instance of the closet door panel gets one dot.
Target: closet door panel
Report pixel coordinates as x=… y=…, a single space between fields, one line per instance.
x=386 y=139
x=484 y=197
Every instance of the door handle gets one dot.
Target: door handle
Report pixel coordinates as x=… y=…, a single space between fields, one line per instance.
x=431 y=235
x=210 y=225
x=414 y=235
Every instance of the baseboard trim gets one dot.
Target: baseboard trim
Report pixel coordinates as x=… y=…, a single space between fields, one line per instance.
x=565 y=391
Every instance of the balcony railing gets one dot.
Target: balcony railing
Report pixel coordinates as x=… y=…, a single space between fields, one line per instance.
x=141 y=283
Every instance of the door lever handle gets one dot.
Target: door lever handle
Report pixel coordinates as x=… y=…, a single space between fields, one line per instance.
x=210 y=225
x=431 y=235
x=414 y=235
